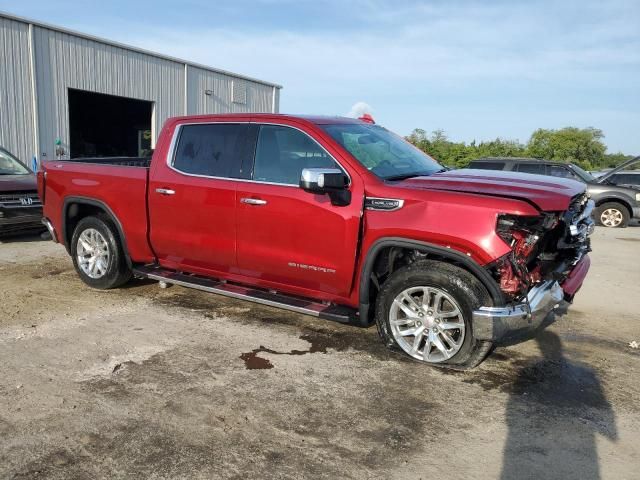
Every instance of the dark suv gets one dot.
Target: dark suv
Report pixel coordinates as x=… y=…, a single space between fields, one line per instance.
x=20 y=207
x=615 y=204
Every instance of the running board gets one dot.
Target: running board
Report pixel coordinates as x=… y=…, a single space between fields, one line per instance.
x=335 y=313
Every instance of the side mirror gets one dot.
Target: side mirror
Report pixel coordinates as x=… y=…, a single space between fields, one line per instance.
x=322 y=180
x=327 y=180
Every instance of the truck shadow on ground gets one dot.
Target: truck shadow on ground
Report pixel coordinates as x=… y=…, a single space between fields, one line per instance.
x=556 y=407
x=29 y=237
x=557 y=399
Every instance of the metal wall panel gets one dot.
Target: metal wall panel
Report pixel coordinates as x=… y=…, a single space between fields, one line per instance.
x=65 y=61
x=16 y=101
x=276 y=100
x=212 y=92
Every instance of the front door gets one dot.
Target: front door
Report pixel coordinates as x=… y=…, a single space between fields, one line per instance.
x=192 y=198
x=287 y=235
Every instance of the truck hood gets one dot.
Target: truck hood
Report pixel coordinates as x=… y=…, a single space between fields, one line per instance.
x=546 y=193
x=17 y=183
x=622 y=166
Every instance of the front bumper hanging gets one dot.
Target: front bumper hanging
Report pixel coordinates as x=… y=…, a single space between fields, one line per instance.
x=524 y=318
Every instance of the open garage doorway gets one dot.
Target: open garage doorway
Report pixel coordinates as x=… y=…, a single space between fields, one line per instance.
x=108 y=126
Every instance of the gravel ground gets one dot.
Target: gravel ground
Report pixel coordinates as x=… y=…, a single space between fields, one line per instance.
x=142 y=382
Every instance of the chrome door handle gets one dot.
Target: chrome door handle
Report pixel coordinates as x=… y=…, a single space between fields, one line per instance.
x=253 y=201
x=165 y=191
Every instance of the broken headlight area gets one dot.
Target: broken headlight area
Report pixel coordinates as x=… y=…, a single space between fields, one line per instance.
x=543 y=247
x=519 y=270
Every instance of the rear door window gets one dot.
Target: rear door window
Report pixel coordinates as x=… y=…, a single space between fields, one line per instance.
x=212 y=150
x=487 y=165
x=560 y=171
x=625 y=179
x=282 y=152
x=536 y=168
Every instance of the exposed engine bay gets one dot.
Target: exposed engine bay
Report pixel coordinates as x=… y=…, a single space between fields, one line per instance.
x=543 y=247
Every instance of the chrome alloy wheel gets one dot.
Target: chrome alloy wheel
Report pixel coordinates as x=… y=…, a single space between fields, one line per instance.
x=92 y=253
x=611 y=217
x=427 y=323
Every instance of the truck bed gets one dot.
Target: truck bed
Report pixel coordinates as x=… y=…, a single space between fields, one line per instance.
x=112 y=183
x=121 y=161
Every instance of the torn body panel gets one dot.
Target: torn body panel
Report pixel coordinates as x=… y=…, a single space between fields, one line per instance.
x=543 y=248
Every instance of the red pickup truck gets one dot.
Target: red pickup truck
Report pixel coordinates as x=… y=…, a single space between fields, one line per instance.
x=333 y=217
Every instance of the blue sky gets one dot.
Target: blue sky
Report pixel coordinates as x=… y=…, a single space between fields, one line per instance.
x=477 y=70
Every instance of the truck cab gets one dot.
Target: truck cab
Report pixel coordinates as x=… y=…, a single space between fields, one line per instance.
x=334 y=217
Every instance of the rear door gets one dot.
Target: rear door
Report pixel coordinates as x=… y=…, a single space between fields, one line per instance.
x=287 y=235
x=192 y=196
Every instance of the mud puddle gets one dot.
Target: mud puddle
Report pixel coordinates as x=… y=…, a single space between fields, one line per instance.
x=253 y=362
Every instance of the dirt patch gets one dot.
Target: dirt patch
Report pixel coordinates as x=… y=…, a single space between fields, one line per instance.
x=143 y=382
x=50 y=273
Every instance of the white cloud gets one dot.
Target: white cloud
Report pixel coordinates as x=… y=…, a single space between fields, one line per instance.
x=423 y=44
x=420 y=61
x=359 y=109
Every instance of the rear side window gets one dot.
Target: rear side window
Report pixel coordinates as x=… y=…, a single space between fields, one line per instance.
x=213 y=150
x=537 y=168
x=282 y=153
x=559 y=171
x=625 y=179
x=487 y=165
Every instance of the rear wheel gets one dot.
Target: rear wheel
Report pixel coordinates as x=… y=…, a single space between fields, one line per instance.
x=97 y=254
x=425 y=309
x=612 y=215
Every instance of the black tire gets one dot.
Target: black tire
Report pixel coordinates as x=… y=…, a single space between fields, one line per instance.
x=613 y=206
x=459 y=284
x=117 y=271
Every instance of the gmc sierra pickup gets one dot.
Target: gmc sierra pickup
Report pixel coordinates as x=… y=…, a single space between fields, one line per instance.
x=332 y=217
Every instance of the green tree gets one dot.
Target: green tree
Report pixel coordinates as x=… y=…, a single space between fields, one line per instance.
x=459 y=154
x=583 y=146
x=613 y=159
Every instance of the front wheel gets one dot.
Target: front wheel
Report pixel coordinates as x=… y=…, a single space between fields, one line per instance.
x=97 y=254
x=424 y=309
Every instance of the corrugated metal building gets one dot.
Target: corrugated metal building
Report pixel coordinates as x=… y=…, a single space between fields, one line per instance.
x=65 y=94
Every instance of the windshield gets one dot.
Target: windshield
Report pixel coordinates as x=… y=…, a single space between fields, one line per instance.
x=583 y=174
x=384 y=153
x=9 y=165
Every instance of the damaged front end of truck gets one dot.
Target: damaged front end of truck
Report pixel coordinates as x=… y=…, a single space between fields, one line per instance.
x=547 y=264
